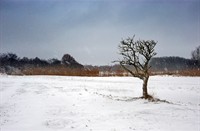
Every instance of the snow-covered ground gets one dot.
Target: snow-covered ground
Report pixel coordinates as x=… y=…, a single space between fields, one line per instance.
x=59 y=103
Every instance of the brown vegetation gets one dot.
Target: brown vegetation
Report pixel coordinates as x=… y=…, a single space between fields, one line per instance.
x=188 y=72
x=60 y=70
x=66 y=71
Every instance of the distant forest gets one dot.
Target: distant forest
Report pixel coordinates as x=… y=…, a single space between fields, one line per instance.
x=173 y=63
x=10 y=63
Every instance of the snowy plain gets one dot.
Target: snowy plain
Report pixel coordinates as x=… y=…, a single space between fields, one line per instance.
x=61 y=103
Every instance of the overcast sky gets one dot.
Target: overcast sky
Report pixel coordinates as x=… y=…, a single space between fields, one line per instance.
x=91 y=30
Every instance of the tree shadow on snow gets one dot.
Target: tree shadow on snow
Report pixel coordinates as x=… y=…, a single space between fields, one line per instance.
x=129 y=99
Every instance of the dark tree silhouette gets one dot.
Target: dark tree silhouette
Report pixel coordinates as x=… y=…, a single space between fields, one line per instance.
x=136 y=57
x=9 y=59
x=69 y=61
x=196 y=54
x=54 y=61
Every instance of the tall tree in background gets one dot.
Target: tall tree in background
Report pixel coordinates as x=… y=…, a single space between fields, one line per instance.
x=69 y=61
x=196 y=54
x=136 y=57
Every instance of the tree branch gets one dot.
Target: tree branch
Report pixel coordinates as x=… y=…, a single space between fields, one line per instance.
x=137 y=54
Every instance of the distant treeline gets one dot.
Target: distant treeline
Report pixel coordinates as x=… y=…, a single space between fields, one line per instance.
x=13 y=60
x=10 y=63
x=10 y=59
x=173 y=64
x=159 y=66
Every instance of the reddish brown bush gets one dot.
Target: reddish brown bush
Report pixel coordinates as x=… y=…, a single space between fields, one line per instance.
x=65 y=71
x=60 y=70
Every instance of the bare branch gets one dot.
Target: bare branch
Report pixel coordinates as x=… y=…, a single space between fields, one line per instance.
x=137 y=54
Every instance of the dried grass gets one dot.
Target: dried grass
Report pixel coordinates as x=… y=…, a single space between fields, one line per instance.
x=66 y=71
x=60 y=70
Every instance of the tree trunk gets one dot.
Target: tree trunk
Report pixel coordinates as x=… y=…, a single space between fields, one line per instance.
x=145 y=91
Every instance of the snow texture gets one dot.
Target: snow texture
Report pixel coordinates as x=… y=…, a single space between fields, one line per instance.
x=60 y=103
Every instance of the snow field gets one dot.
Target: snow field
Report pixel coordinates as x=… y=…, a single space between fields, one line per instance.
x=60 y=103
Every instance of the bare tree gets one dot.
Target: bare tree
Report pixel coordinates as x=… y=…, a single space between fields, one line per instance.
x=196 y=54
x=136 y=57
